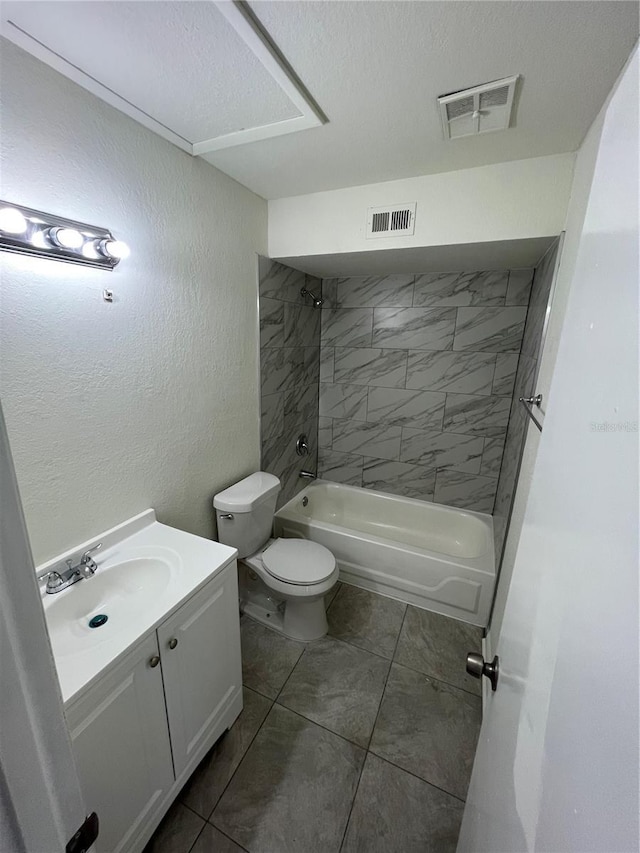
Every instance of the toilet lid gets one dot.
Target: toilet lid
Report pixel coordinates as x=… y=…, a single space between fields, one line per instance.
x=298 y=561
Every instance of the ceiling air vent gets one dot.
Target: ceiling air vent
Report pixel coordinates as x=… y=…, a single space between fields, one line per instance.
x=398 y=220
x=483 y=109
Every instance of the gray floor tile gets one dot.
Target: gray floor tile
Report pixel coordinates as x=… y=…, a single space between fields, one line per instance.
x=211 y=840
x=437 y=645
x=294 y=789
x=267 y=657
x=337 y=686
x=331 y=595
x=205 y=787
x=365 y=619
x=428 y=728
x=177 y=832
x=395 y=812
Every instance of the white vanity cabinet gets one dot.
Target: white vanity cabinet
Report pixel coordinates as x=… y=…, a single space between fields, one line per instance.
x=140 y=731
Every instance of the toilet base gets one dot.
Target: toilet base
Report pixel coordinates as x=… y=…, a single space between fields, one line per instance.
x=297 y=619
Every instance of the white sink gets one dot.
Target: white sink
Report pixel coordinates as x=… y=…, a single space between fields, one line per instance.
x=145 y=571
x=118 y=590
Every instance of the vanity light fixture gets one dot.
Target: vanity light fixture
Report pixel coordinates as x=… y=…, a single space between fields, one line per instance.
x=43 y=235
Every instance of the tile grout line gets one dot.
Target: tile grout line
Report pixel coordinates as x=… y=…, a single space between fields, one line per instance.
x=415 y=776
x=386 y=681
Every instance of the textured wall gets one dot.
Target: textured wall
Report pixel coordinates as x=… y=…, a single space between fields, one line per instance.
x=152 y=400
x=290 y=367
x=416 y=377
x=532 y=343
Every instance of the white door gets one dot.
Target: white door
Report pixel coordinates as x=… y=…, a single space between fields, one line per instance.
x=200 y=650
x=557 y=761
x=41 y=804
x=121 y=745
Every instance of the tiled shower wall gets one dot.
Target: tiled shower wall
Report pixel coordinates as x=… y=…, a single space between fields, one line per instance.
x=417 y=374
x=289 y=372
x=524 y=387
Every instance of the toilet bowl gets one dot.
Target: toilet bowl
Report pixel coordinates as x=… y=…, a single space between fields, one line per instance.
x=282 y=582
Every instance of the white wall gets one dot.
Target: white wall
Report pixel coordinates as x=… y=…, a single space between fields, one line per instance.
x=506 y=201
x=152 y=400
x=580 y=190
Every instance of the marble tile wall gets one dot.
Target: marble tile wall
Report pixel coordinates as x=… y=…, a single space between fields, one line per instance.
x=524 y=387
x=416 y=380
x=289 y=373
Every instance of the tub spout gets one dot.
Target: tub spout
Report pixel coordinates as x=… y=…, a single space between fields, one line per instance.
x=307 y=475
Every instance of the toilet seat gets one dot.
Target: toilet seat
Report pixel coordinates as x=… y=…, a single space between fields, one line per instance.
x=298 y=561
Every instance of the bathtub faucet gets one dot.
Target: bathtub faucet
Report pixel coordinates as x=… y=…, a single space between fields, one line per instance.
x=307 y=475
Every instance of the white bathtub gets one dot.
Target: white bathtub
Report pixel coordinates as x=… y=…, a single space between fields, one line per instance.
x=436 y=557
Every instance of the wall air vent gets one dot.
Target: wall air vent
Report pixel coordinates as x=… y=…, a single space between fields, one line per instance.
x=483 y=109
x=398 y=220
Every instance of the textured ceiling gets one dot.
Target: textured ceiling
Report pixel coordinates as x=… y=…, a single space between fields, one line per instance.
x=376 y=68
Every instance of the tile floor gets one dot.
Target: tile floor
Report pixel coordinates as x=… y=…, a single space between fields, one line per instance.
x=361 y=742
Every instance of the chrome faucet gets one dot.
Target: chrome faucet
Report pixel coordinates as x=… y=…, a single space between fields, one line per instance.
x=86 y=568
x=307 y=475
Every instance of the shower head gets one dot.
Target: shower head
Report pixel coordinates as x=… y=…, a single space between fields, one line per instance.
x=317 y=302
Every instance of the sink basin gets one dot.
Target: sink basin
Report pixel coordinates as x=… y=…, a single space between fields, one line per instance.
x=120 y=589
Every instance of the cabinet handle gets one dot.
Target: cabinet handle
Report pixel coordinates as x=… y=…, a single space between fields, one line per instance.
x=154 y=661
x=173 y=643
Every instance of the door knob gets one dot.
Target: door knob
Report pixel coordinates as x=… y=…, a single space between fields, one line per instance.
x=154 y=661
x=477 y=667
x=173 y=643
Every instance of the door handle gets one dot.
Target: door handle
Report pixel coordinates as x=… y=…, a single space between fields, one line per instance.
x=477 y=667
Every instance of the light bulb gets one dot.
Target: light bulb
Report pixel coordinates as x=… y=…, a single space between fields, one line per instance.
x=66 y=238
x=12 y=221
x=114 y=249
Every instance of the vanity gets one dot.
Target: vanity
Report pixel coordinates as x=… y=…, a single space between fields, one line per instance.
x=149 y=689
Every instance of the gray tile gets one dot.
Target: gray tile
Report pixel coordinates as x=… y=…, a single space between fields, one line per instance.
x=300 y=404
x=301 y=325
x=457 y=372
x=340 y=467
x=492 y=456
x=428 y=728
x=519 y=288
x=267 y=657
x=330 y=293
x=325 y=431
x=331 y=595
x=343 y=401
x=442 y=450
x=466 y=491
x=505 y=373
x=437 y=645
x=540 y=290
x=399 y=478
x=178 y=830
x=489 y=329
x=368 y=366
x=461 y=288
x=211 y=840
x=281 y=369
x=205 y=787
x=414 y=328
x=365 y=619
x=395 y=812
x=294 y=789
x=271 y=416
x=280 y=282
x=347 y=327
x=417 y=409
x=474 y=415
x=339 y=687
x=374 y=291
x=326 y=364
x=271 y=323
x=367 y=439
x=279 y=453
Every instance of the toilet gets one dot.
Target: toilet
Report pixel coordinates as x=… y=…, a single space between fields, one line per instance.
x=282 y=582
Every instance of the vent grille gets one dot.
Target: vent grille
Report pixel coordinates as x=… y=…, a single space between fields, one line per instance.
x=483 y=109
x=394 y=221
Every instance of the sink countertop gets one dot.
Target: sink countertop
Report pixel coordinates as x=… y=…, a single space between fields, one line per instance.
x=190 y=562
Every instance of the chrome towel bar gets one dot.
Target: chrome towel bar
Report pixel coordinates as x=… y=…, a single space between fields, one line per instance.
x=528 y=402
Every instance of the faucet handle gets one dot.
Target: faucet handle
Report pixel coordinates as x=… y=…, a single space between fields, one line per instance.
x=54 y=580
x=85 y=557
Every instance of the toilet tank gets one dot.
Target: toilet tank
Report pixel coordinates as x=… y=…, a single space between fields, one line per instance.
x=252 y=502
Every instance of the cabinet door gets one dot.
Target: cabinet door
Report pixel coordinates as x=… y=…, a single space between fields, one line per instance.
x=120 y=741
x=200 y=649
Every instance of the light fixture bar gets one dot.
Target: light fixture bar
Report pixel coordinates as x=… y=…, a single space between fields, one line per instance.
x=44 y=235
